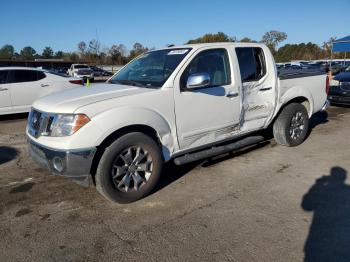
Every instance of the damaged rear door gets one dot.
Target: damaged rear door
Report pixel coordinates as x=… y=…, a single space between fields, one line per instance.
x=258 y=87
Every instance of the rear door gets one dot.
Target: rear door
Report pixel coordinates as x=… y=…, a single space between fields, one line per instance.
x=5 y=99
x=26 y=86
x=258 y=78
x=212 y=113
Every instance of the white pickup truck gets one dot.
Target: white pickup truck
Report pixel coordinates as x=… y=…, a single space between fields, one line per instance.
x=183 y=103
x=81 y=71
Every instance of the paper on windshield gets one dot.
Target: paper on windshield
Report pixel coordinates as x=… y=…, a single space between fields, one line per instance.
x=178 y=52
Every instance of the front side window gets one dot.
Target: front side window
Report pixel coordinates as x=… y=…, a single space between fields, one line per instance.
x=151 y=69
x=3 y=76
x=215 y=62
x=251 y=62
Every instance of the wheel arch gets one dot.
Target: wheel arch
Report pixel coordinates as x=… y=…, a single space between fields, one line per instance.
x=297 y=95
x=142 y=128
x=300 y=100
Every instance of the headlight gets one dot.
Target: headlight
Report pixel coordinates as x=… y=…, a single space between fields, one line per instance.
x=66 y=124
x=334 y=82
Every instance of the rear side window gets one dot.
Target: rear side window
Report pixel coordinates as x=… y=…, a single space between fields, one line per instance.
x=20 y=76
x=215 y=62
x=3 y=76
x=251 y=62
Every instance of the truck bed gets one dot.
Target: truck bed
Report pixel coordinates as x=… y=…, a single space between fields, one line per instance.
x=297 y=73
x=311 y=80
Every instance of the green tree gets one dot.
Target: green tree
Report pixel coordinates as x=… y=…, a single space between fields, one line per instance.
x=137 y=50
x=210 y=38
x=118 y=54
x=28 y=53
x=302 y=51
x=59 y=54
x=73 y=57
x=47 y=52
x=247 y=40
x=7 y=52
x=273 y=38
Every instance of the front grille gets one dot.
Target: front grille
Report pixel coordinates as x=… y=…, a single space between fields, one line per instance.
x=345 y=86
x=38 y=122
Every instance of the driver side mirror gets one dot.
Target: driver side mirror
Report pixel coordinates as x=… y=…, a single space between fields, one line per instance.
x=198 y=80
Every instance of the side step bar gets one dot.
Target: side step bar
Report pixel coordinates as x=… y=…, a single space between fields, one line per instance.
x=218 y=150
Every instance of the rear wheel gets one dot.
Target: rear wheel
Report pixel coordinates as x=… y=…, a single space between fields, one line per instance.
x=129 y=168
x=291 y=126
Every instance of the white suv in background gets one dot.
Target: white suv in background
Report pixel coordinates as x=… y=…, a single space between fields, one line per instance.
x=82 y=71
x=20 y=86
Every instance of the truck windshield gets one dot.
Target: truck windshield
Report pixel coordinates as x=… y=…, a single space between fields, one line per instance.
x=151 y=69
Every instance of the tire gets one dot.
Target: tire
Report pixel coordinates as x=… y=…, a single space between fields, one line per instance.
x=292 y=125
x=121 y=157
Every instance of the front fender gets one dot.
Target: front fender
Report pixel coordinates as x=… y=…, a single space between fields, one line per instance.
x=117 y=118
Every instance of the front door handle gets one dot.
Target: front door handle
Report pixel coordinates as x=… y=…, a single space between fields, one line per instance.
x=44 y=85
x=3 y=89
x=232 y=94
x=265 y=88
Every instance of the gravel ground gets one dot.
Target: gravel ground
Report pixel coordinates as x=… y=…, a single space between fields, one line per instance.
x=265 y=203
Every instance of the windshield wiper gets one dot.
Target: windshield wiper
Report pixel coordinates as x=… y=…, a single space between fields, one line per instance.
x=127 y=82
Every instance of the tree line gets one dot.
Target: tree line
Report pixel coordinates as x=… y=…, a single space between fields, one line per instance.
x=93 y=52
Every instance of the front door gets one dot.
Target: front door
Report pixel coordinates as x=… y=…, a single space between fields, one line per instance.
x=207 y=114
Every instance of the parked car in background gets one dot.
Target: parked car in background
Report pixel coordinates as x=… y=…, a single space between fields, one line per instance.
x=335 y=67
x=60 y=70
x=339 y=91
x=81 y=71
x=183 y=103
x=20 y=86
x=100 y=72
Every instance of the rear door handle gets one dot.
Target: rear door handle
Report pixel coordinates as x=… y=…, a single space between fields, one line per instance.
x=265 y=88
x=232 y=94
x=3 y=89
x=44 y=85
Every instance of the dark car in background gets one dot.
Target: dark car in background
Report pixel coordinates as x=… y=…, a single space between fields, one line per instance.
x=335 y=67
x=339 y=91
x=100 y=72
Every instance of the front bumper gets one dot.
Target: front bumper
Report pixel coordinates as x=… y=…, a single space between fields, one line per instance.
x=74 y=164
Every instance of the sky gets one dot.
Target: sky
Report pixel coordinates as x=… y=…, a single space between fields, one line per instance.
x=61 y=24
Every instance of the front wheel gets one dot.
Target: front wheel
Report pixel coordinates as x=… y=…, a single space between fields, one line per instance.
x=291 y=126
x=129 y=168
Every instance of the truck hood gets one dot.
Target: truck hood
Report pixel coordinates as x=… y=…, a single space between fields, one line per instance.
x=70 y=100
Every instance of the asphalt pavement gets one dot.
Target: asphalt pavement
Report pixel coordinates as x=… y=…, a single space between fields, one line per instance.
x=264 y=203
